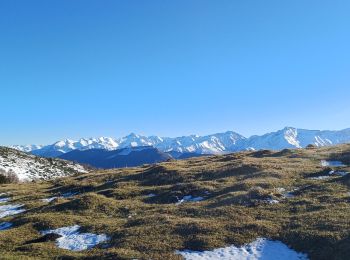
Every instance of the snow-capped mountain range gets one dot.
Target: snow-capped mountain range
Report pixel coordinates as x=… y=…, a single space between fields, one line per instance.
x=27 y=148
x=219 y=143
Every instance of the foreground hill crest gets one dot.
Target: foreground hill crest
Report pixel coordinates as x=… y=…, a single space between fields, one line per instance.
x=29 y=167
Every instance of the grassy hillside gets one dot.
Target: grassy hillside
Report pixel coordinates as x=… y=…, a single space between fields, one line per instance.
x=240 y=194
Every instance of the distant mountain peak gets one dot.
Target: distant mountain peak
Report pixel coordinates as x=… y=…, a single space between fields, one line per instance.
x=132 y=135
x=286 y=128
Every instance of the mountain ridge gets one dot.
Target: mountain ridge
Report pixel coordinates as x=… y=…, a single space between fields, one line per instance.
x=120 y=158
x=219 y=143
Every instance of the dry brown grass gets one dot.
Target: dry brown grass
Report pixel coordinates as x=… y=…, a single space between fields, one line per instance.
x=235 y=211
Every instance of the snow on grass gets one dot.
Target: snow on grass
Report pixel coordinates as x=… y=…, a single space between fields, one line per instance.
x=261 y=249
x=9 y=210
x=29 y=167
x=271 y=201
x=286 y=194
x=64 y=195
x=330 y=174
x=4 y=200
x=339 y=173
x=5 y=225
x=49 y=199
x=325 y=163
x=189 y=198
x=320 y=177
x=71 y=239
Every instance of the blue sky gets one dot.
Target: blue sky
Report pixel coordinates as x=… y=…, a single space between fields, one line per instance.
x=83 y=68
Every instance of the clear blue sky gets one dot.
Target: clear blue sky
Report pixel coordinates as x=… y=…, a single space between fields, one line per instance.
x=83 y=68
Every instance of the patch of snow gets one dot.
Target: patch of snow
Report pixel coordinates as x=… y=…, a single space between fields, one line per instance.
x=49 y=199
x=325 y=163
x=132 y=215
x=189 y=198
x=151 y=195
x=286 y=194
x=4 y=200
x=64 y=195
x=291 y=135
x=262 y=249
x=271 y=201
x=320 y=178
x=250 y=149
x=339 y=173
x=133 y=144
x=9 y=210
x=5 y=225
x=71 y=239
x=322 y=142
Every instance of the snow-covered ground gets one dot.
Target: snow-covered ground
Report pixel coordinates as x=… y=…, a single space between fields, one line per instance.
x=261 y=249
x=331 y=173
x=72 y=239
x=339 y=173
x=189 y=198
x=286 y=194
x=49 y=199
x=272 y=201
x=4 y=200
x=64 y=195
x=325 y=163
x=29 y=167
x=10 y=209
x=320 y=177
